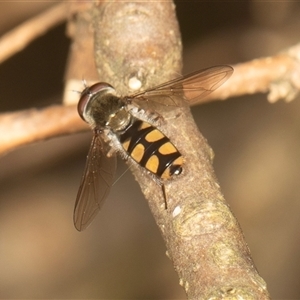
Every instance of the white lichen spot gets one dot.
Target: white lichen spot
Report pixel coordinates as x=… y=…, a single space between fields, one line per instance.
x=282 y=90
x=176 y=211
x=217 y=185
x=134 y=83
x=196 y=267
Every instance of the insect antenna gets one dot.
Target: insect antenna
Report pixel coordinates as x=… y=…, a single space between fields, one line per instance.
x=74 y=91
x=84 y=82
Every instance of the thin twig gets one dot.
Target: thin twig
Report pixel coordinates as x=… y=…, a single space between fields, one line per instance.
x=203 y=238
x=18 y=38
x=277 y=75
x=251 y=77
x=32 y=125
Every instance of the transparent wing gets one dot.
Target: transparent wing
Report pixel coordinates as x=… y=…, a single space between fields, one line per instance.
x=190 y=88
x=95 y=185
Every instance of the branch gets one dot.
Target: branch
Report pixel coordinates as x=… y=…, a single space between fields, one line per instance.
x=203 y=238
x=279 y=75
x=32 y=125
x=18 y=38
x=81 y=62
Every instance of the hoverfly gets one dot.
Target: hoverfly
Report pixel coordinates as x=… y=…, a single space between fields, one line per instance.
x=120 y=124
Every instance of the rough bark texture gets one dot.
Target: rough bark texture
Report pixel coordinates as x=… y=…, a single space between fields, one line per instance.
x=32 y=125
x=81 y=63
x=203 y=239
x=278 y=75
x=17 y=39
x=137 y=44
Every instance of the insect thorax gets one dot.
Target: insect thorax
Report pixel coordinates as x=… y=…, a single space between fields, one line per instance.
x=108 y=111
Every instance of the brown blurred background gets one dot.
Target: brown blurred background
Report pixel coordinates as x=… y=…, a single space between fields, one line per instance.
x=122 y=255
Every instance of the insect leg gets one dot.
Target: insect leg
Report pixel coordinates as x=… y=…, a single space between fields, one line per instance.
x=164 y=195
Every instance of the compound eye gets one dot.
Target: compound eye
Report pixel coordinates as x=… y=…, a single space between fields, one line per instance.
x=87 y=94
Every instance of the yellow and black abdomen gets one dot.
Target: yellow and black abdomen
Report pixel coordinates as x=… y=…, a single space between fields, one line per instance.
x=151 y=149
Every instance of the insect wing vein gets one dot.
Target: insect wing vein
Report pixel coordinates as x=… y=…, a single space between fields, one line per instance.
x=191 y=87
x=95 y=185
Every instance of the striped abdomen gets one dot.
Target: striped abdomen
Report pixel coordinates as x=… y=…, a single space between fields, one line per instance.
x=151 y=149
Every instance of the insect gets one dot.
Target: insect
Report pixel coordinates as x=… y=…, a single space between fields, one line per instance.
x=121 y=125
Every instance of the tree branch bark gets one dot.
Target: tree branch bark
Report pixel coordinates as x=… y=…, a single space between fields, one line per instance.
x=33 y=125
x=277 y=75
x=203 y=238
x=18 y=38
x=280 y=75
